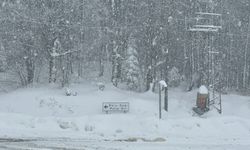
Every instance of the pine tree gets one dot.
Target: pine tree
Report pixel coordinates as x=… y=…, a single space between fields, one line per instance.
x=174 y=77
x=131 y=67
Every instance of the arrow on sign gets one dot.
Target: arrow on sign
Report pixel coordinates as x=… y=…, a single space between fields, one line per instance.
x=106 y=106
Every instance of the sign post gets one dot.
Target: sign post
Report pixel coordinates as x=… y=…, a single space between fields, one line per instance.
x=166 y=98
x=163 y=84
x=159 y=101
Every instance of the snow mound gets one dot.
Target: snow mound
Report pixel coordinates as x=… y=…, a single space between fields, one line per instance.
x=203 y=90
x=163 y=83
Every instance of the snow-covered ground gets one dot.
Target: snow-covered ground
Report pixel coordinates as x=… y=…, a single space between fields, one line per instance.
x=46 y=113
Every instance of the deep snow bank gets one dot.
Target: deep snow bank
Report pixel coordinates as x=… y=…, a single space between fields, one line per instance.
x=47 y=112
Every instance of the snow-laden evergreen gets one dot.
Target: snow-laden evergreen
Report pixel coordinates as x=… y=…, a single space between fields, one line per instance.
x=131 y=67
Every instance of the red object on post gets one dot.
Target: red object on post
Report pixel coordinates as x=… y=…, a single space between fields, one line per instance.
x=202 y=101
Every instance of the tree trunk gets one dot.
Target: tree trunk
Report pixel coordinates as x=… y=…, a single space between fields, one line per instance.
x=30 y=70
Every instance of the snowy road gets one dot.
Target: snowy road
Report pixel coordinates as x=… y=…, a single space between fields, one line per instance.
x=83 y=144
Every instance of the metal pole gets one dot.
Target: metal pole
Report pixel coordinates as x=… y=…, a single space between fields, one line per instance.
x=159 y=101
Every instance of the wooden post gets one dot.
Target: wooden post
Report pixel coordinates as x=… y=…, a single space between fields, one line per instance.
x=166 y=98
x=159 y=101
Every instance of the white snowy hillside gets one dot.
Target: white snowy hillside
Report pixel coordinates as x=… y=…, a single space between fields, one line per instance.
x=47 y=112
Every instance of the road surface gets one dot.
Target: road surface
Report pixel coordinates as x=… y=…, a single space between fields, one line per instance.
x=87 y=144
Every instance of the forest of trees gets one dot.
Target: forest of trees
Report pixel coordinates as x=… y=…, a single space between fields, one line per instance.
x=144 y=41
